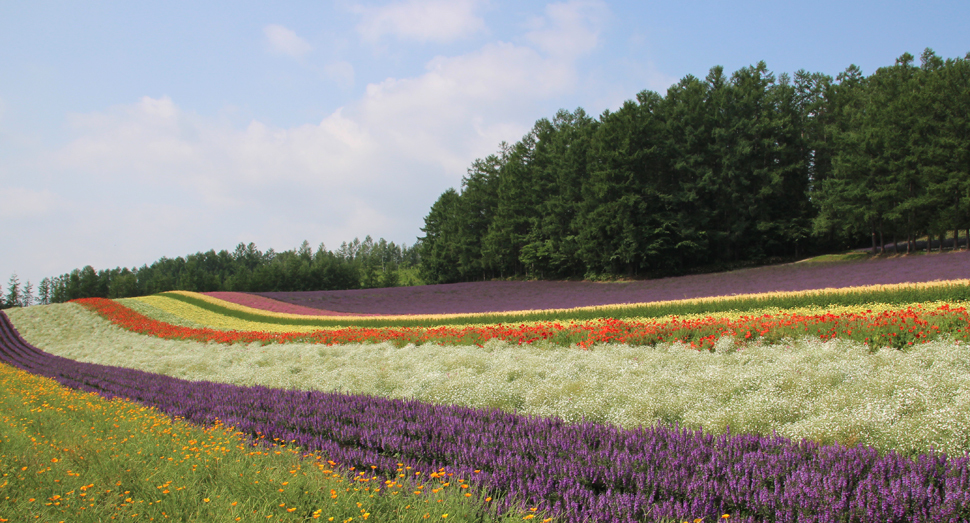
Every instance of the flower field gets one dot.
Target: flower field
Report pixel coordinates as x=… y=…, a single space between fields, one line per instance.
x=497 y=296
x=816 y=405
x=888 y=327
x=266 y=304
x=579 y=472
x=833 y=391
x=67 y=455
x=815 y=300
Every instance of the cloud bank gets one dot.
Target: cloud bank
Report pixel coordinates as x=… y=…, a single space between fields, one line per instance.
x=188 y=182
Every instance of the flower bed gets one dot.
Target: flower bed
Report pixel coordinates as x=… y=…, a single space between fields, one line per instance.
x=577 y=471
x=269 y=305
x=498 y=296
x=894 y=328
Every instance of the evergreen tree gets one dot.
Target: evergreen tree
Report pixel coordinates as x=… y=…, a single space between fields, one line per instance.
x=558 y=173
x=44 y=292
x=27 y=297
x=517 y=207
x=440 y=256
x=13 y=292
x=843 y=199
x=477 y=204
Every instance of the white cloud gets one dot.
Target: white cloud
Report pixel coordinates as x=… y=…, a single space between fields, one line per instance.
x=341 y=72
x=146 y=139
x=421 y=20
x=569 y=29
x=160 y=145
x=433 y=124
x=372 y=167
x=285 y=41
x=462 y=106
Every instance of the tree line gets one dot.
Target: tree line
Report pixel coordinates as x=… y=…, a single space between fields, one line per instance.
x=357 y=264
x=718 y=172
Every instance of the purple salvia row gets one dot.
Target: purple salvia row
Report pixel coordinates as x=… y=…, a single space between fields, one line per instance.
x=493 y=296
x=579 y=472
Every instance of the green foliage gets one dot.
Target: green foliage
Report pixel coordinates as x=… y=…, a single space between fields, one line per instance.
x=14 y=294
x=358 y=264
x=728 y=169
x=901 y=168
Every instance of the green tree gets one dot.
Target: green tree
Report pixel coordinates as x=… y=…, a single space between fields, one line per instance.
x=477 y=204
x=843 y=200
x=516 y=209
x=688 y=134
x=123 y=284
x=44 y=292
x=440 y=256
x=559 y=173
x=27 y=296
x=13 y=292
x=628 y=223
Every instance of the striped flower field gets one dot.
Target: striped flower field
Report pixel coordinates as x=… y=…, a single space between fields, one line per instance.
x=893 y=374
x=889 y=327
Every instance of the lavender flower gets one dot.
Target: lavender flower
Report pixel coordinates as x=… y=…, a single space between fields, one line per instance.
x=497 y=296
x=580 y=472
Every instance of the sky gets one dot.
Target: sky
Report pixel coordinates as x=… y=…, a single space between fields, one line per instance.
x=130 y=131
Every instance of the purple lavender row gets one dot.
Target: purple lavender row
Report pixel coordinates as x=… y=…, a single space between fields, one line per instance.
x=496 y=296
x=579 y=472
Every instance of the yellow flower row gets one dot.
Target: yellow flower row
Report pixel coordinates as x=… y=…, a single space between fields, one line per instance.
x=214 y=320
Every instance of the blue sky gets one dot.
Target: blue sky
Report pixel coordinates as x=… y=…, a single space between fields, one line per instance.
x=135 y=130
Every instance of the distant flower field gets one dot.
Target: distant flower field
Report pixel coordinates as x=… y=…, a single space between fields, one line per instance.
x=270 y=305
x=499 y=296
x=884 y=326
x=820 y=404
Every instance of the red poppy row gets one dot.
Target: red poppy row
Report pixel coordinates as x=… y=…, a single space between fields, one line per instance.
x=893 y=328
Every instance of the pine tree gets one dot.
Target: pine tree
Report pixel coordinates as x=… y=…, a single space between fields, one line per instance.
x=27 y=297
x=44 y=292
x=13 y=292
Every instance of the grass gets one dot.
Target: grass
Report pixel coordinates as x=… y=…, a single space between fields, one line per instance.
x=844 y=257
x=909 y=400
x=72 y=456
x=953 y=291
